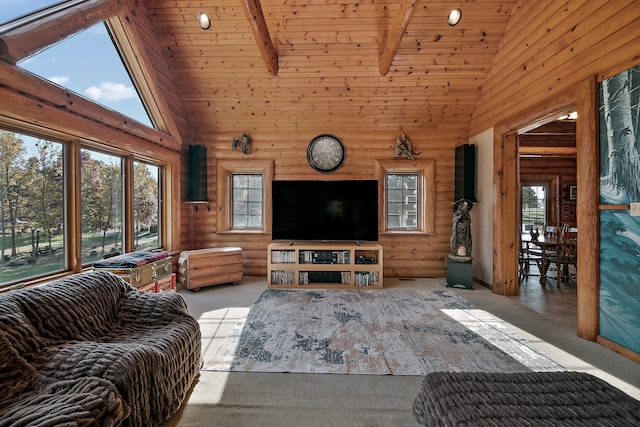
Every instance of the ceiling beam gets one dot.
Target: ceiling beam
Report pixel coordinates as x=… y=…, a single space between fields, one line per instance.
x=395 y=35
x=261 y=33
x=25 y=36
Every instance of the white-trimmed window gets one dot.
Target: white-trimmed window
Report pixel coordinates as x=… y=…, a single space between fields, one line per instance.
x=244 y=195
x=247 y=190
x=407 y=195
x=402 y=208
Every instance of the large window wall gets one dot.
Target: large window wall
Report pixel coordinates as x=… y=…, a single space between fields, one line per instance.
x=38 y=212
x=84 y=182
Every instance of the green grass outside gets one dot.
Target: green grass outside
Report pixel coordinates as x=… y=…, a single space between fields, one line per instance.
x=532 y=218
x=50 y=263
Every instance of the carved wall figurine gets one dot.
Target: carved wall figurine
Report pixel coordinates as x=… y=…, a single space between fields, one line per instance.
x=243 y=142
x=404 y=147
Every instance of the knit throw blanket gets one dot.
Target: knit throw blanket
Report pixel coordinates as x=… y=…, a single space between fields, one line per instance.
x=91 y=350
x=522 y=399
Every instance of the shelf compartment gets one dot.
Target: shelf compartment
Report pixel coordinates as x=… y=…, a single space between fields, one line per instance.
x=366 y=278
x=283 y=257
x=283 y=277
x=328 y=277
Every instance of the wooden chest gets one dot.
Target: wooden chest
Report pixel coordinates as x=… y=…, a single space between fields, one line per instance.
x=165 y=284
x=206 y=267
x=138 y=268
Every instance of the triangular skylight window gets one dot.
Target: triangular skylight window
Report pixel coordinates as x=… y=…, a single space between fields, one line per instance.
x=12 y=9
x=88 y=64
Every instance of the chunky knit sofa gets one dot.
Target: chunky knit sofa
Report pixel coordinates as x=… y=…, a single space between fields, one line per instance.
x=91 y=350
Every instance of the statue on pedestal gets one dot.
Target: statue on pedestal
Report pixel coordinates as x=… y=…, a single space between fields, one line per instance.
x=461 y=232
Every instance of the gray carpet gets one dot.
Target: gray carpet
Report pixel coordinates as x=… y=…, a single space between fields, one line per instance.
x=381 y=332
x=237 y=399
x=253 y=399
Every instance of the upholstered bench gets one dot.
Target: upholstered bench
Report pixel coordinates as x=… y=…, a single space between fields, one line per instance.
x=522 y=399
x=207 y=267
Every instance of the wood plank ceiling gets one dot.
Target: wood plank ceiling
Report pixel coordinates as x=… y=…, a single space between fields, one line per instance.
x=331 y=62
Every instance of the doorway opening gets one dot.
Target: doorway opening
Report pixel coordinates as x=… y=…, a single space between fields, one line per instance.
x=533 y=207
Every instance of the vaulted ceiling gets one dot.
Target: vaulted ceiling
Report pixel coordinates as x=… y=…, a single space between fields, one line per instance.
x=382 y=63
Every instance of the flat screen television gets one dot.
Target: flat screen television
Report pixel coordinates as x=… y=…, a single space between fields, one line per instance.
x=325 y=210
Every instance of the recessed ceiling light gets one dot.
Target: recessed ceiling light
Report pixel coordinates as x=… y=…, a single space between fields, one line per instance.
x=570 y=116
x=454 y=17
x=203 y=21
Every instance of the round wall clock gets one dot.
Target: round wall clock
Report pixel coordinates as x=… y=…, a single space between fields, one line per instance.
x=325 y=153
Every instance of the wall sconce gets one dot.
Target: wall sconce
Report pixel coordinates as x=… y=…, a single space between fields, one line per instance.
x=454 y=17
x=203 y=21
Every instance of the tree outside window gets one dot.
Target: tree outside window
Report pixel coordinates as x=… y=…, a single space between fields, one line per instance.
x=146 y=206
x=32 y=237
x=101 y=198
x=533 y=207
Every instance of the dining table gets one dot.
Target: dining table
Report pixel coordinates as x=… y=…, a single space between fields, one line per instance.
x=546 y=244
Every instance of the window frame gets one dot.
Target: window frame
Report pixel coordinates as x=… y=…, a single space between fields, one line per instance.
x=418 y=207
x=97 y=127
x=425 y=168
x=72 y=147
x=160 y=191
x=247 y=202
x=225 y=169
x=125 y=167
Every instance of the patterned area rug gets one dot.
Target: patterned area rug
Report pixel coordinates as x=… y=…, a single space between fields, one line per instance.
x=395 y=332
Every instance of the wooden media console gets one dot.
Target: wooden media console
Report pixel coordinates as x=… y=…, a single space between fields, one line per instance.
x=324 y=265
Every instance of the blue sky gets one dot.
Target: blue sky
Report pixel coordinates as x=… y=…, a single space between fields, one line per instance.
x=86 y=63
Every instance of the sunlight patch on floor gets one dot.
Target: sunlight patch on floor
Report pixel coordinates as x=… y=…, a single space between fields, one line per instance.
x=210 y=388
x=216 y=325
x=499 y=333
x=491 y=328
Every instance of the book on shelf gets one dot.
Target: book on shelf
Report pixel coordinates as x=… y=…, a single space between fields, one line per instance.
x=346 y=277
x=303 y=278
x=283 y=257
x=305 y=257
x=366 y=278
x=281 y=277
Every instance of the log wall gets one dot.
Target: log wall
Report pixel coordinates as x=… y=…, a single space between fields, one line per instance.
x=549 y=49
x=549 y=59
x=405 y=255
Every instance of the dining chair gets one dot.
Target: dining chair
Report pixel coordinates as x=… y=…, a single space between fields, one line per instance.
x=566 y=255
x=526 y=257
x=551 y=231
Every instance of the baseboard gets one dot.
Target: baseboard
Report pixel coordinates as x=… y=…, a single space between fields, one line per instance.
x=626 y=352
x=483 y=283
